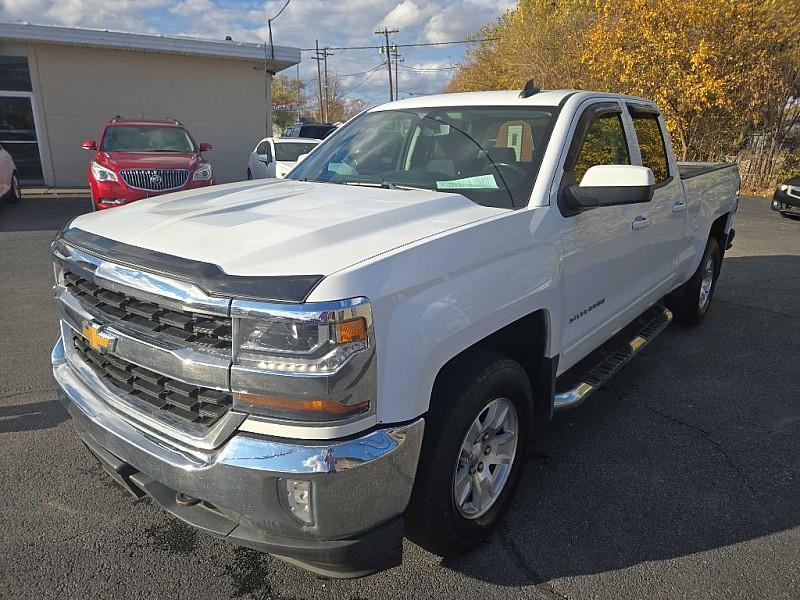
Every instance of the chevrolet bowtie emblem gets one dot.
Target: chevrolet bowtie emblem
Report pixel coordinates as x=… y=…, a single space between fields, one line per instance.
x=98 y=340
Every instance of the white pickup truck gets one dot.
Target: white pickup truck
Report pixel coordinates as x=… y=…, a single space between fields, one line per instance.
x=322 y=365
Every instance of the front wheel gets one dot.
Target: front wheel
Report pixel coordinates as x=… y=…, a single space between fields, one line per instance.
x=476 y=435
x=249 y=174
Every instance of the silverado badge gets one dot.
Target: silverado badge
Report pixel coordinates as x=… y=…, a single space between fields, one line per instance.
x=99 y=341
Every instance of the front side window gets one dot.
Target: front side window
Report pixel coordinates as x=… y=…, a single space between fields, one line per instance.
x=130 y=138
x=262 y=148
x=604 y=144
x=491 y=155
x=289 y=151
x=651 y=144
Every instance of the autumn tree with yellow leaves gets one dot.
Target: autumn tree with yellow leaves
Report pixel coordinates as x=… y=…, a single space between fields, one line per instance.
x=726 y=73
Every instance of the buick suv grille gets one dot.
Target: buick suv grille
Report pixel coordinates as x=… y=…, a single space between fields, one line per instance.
x=157 y=180
x=188 y=402
x=184 y=326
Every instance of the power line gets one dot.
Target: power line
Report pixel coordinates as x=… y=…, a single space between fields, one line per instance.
x=380 y=66
x=417 y=45
x=363 y=81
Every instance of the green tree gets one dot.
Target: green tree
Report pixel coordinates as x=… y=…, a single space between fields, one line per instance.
x=284 y=90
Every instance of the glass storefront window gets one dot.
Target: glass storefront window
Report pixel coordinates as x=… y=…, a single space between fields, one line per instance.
x=14 y=74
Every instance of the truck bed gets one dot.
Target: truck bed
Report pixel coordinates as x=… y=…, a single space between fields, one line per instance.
x=687 y=170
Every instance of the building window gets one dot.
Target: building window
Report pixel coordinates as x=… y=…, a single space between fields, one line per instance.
x=14 y=74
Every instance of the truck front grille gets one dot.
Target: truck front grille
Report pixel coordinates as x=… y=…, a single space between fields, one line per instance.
x=188 y=402
x=156 y=180
x=183 y=326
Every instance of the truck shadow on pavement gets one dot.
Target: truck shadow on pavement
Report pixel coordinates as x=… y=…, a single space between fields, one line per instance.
x=695 y=445
x=31 y=416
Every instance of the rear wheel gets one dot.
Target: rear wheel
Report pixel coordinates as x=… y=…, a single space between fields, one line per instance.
x=476 y=435
x=691 y=302
x=14 y=194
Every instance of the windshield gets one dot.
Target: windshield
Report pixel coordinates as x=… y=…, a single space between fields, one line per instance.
x=128 y=138
x=491 y=155
x=289 y=151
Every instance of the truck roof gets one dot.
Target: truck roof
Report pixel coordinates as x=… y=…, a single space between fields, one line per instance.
x=496 y=98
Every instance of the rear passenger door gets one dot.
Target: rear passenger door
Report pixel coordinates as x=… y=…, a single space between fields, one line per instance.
x=604 y=247
x=668 y=209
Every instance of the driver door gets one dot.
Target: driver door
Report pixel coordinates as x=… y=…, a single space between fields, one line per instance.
x=604 y=247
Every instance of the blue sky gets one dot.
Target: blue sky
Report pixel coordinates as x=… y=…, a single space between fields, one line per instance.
x=333 y=22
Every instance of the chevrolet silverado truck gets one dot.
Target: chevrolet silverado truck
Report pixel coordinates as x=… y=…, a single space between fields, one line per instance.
x=321 y=365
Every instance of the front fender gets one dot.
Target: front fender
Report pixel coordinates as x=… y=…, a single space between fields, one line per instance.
x=436 y=298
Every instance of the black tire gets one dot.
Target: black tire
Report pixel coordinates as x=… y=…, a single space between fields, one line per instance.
x=461 y=393
x=93 y=203
x=249 y=175
x=14 y=195
x=685 y=303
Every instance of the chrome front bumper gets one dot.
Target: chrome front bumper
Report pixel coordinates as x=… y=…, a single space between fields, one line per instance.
x=360 y=485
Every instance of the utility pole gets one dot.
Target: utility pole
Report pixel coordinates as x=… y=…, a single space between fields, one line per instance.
x=398 y=58
x=386 y=50
x=321 y=56
x=325 y=54
x=299 y=88
x=318 y=58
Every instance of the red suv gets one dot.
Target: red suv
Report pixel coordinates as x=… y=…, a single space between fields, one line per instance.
x=138 y=159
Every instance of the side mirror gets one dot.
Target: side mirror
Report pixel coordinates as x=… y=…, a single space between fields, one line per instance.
x=610 y=185
x=302 y=157
x=204 y=146
x=89 y=145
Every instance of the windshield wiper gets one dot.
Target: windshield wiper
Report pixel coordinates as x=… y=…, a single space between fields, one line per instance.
x=388 y=185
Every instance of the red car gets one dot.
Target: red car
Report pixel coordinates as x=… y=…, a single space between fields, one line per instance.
x=139 y=159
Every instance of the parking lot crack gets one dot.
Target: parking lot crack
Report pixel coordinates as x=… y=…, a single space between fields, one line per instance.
x=530 y=572
x=704 y=434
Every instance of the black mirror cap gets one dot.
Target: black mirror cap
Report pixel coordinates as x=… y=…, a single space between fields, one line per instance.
x=577 y=198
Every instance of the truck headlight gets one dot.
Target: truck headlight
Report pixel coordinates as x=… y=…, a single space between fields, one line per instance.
x=203 y=173
x=103 y=174
x=311 y=342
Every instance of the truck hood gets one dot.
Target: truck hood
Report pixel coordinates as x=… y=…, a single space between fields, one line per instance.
x=283 y=227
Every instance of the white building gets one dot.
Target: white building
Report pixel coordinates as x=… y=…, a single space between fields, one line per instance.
x=59 y=85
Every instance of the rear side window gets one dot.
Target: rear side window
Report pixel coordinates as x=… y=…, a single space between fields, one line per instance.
x=651 y=144
x=604 y=144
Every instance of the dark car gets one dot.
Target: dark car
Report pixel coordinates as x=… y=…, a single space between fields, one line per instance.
x=787 y=198
x=317 y=131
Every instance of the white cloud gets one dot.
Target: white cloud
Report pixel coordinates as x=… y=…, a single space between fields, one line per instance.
x=406 y=14
x=460 y=18
x=334 y=23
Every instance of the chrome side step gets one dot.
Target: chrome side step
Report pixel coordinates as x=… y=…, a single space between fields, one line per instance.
x=596 y=377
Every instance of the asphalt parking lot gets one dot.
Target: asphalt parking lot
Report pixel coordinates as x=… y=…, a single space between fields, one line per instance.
x=681 y=479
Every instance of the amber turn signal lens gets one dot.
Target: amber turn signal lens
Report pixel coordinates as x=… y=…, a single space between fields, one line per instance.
x=354 y=330
x=303 y=405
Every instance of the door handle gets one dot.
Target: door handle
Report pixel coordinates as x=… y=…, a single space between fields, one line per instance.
x=679 y=206
x=640 y=222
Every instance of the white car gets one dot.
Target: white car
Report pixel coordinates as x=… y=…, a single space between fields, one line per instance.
x=10 y=189
x=275 y=157
x=319 y=365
